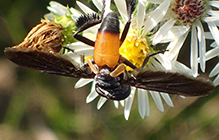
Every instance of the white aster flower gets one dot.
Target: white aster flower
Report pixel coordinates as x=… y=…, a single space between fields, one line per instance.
x=136 y=38
x=189 y=14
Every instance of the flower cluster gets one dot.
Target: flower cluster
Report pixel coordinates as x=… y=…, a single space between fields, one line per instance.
x=154 y=22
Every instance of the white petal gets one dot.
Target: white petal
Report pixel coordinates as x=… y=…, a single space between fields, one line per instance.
x=49 y=16
x=208 y=35
x=155 y=16
x=164 y=61
x=121 y=6
x=202 y=48
x=182 y=68
x=182 y=96
x=140 y=16
x=116 y=104
x=216 y=81
x=163 y=31
x=147 y=108
x=84 y=8
x=82 y=82
x=141 y=102
x=210 y=19
x=128 y=103
x=167 y=99
x=214 y=3
x=156 y=64
x=175 y=32
x=99 y=5
x=101 y=102
x=175 y=46
x=213 y=13
x=154 y=1
x=75 y=14
x=122 y=102
x=214 y=31
x=214 y=44
x=78 y=45
x=57 y=8
x=215 y=71
x=156 y=96
x=211 y=53
x=92 y=95
x=85 y=52
x=194 y=52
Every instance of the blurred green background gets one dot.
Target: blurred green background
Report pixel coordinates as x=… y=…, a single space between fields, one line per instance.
x=36 y=106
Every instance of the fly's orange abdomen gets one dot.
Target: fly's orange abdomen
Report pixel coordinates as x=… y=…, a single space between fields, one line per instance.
x=106 y=48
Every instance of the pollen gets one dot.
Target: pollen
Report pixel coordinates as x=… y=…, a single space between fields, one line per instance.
x=135 y=50
x=88 y=57
x=187 y=11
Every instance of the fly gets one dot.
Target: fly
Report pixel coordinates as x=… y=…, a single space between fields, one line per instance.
x=112 y=80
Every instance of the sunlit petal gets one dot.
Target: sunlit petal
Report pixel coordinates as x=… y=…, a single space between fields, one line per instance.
x=155 y=16
x=216 y=81
x=116 y=104
x=101 y=102
x=140 y=16
x=194 y=52
x=84 y=8
x=128 y=103
x=121 y=5
x=57 y=8
x=141 y=102
x=174 y=47
x=167 y=99
x=202 y=48
x=82 y=82
x=156 y=97
x=163 y=31
x=214 y=31
x=174 y=33
x=215 y=71
x=92 y=95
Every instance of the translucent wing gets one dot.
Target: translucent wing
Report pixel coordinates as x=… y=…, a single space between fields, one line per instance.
x=170 y=82
x=47 y=62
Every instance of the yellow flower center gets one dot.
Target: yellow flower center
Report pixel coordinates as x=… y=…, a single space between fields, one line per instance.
x=134 y=49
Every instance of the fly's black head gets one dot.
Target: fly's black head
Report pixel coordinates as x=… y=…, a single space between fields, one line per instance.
x=111 y=87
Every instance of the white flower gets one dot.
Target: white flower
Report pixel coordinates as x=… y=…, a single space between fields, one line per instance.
x=189 y=14
x=136 y=37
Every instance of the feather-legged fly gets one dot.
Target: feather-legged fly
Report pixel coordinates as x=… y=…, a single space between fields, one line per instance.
x=112 y=80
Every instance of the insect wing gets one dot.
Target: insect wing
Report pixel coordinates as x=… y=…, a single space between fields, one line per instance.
x=47 y=62
x=170 y=82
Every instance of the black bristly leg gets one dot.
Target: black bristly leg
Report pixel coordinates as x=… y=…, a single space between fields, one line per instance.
x=84 y=39
x=72 y=50
x=86 y=21
x=150 y=55
x=130 y=5
x=127 y=62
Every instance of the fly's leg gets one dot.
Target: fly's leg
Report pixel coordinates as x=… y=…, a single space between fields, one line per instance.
x=86 y=21
x=130 y=5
